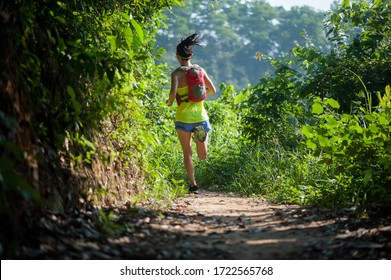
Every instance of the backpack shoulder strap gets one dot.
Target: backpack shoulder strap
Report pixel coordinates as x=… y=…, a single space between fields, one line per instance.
x=187 y=68
x=184 y=68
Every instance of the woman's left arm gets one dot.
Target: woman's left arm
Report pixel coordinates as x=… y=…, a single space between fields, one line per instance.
x=210 y=88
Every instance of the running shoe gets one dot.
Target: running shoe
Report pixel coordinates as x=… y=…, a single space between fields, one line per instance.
x=200 y=133
x=193 y=189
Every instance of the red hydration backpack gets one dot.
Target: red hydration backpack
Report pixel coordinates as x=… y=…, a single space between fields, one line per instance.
x=195 y=83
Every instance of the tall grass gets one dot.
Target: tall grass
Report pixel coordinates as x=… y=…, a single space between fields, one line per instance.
x=288 y=176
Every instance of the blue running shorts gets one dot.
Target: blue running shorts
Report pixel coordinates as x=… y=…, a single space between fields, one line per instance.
x=189 y=127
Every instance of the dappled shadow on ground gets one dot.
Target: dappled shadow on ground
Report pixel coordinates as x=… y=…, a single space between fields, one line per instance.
x=211 y=226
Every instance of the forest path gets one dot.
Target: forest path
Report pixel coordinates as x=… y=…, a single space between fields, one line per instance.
x=244 y=228
x=212 y=225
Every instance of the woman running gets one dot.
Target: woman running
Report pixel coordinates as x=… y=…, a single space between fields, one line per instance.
x=191 y=117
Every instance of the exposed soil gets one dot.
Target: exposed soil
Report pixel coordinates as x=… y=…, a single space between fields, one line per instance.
x=212 y=226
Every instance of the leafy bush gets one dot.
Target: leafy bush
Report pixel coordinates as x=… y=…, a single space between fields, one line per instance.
x=80 y=83
x=353 y=141
x=274 y=107
x=357 y=146
x=359 y=35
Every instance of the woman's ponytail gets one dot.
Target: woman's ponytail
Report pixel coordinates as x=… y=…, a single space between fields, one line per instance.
x=185 y=48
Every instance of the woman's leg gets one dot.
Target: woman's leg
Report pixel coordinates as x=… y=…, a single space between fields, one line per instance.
x=202 y=147
x=185 y=140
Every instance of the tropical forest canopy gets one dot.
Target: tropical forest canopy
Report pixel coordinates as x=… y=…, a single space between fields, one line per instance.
x=235 y=31
x=83 y=119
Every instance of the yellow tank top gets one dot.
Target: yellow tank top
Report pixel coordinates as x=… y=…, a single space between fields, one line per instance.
x=190 y=112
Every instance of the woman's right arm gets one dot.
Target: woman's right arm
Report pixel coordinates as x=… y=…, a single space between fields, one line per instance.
x=173 y=90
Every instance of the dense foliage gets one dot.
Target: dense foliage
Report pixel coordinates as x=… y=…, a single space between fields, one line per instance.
x=325 y=157
x=83 y=90
x=80 y=91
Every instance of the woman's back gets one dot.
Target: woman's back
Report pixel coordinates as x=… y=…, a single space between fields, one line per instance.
x=181 y=75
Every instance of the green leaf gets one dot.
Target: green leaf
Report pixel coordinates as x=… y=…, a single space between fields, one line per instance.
x=61 y=19
x=317 y=109
x=331 y=121
x=306 y=130
x=333 y=103
x=310 y=144
x=383 y=120
x=139 y=30
x=112 y=41
x=346 y=4
x=128 y=36
x=71 y=92
x=357 y=128
x=377 y=3
x=178 y=2
x=373 y=128
x=239 y=98
x=75 y=103
x=367 y=177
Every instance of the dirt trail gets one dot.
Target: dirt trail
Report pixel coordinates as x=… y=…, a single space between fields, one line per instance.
x=213 y=226
x=254 y=229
